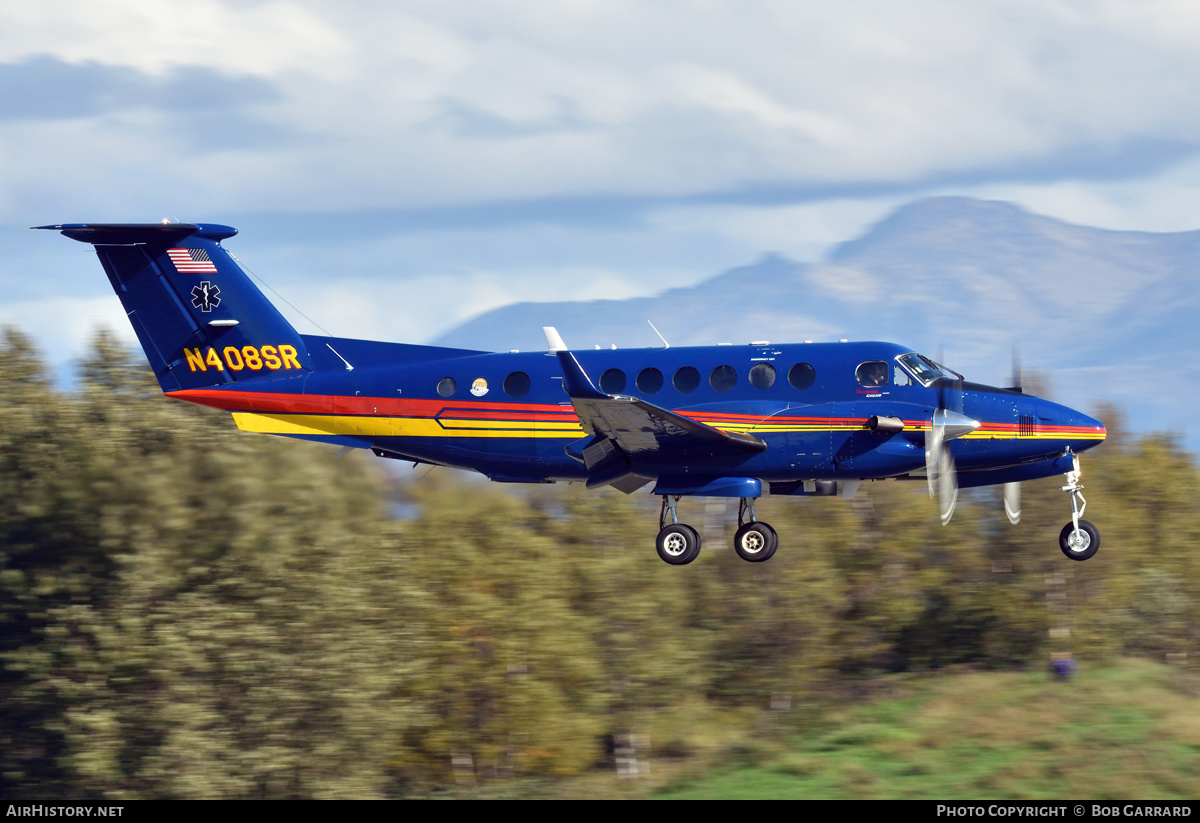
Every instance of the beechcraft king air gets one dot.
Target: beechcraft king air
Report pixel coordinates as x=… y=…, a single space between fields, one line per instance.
x=720 y=421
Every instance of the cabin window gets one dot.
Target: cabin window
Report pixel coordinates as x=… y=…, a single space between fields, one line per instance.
x=762 y=376
x=516 y=384
x=613 y=381
x=801 y=376
x=872 y=373
x=687 y=379
x=723 y=378
x=649 y=380
x=446 y=386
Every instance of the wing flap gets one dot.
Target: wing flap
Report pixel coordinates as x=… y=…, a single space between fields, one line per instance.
x=631 y=438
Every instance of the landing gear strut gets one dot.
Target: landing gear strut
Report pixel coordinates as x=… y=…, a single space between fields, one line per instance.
x=1079 y=539
x=677 y=543
x=755 y=541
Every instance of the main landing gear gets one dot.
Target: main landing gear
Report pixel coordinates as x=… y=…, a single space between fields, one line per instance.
x=1079 y=539
x=679 y=544
x=754 y=541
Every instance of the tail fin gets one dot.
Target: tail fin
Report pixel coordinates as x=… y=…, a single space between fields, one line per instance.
x=200 y=319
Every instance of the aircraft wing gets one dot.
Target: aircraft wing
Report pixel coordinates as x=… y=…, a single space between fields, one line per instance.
x=634 y=441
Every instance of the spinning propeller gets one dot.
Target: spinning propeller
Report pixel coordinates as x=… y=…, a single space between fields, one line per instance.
x=939 y=462
x=1012 y=491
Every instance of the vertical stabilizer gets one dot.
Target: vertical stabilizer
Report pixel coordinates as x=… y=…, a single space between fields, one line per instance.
x=200 y=319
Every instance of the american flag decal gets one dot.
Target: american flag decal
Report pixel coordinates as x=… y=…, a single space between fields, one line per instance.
x=192 y=261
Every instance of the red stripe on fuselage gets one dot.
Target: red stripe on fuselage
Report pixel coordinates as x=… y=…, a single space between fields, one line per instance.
x=279 y=403
x=274 y=403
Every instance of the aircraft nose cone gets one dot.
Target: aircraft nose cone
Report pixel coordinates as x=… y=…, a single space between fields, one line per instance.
x=1094 y=431
x=1085 y=431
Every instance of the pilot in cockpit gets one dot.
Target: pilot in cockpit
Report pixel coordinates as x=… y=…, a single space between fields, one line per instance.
x=872 y=373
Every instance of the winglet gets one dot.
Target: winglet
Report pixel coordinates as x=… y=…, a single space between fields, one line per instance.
x=554 y=341
x=575 y=380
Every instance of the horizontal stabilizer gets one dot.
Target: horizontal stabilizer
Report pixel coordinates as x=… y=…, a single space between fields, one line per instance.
x=128 y=234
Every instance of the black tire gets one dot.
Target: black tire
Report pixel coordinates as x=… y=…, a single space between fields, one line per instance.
x=771 y=551
x=755 y=542
x=678 y=544
x=1080 y=547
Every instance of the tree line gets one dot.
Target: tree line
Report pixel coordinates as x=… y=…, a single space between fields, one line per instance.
x=190 y=611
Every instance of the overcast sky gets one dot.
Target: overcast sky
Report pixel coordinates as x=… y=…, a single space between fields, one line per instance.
x=395 y=167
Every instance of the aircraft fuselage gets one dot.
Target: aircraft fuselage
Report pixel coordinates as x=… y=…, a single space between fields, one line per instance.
x=507 y=415
x=703 y=421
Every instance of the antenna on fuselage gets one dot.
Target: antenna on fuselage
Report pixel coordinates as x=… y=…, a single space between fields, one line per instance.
x=339 y=357
x=666 y=345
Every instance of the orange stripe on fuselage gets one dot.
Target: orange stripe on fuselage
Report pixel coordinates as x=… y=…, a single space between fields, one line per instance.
x=278 y=403
x=456 y=410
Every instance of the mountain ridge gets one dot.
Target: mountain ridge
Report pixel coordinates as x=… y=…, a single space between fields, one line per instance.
x=1093 y=309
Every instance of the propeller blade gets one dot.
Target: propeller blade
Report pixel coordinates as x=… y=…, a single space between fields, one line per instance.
x=940 y=472
x=935 y=446
x=1012 y=502
x=947 y=488
x=1016 y=383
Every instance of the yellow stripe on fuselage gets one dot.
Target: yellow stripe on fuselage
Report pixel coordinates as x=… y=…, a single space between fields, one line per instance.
x=1046 y=435
x=360 y=426
x=373 y=426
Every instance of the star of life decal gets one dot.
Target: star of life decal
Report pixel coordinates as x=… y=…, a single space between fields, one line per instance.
x=206 y=296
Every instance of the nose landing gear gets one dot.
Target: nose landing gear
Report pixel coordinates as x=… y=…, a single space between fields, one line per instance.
x=1079 y=539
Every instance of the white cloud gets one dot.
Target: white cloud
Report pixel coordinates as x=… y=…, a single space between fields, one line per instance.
x=254 y=38
x=717 y=131
x=806 y=232
x=407 y=104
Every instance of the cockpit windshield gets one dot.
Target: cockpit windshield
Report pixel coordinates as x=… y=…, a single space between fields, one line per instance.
x=924 y=370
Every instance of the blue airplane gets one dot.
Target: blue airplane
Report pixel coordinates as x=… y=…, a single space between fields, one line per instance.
x=710 y=421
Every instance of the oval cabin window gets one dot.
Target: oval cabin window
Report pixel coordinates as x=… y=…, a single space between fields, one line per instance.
x=516 y=384
x=687 y=379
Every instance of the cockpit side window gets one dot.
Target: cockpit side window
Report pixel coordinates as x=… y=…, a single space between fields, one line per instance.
x=872 y=373
x=924 y=370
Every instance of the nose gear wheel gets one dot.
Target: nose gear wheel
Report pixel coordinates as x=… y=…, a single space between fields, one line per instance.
x=1079 y=539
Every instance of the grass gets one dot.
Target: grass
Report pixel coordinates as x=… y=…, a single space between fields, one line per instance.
x=1131 y=731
